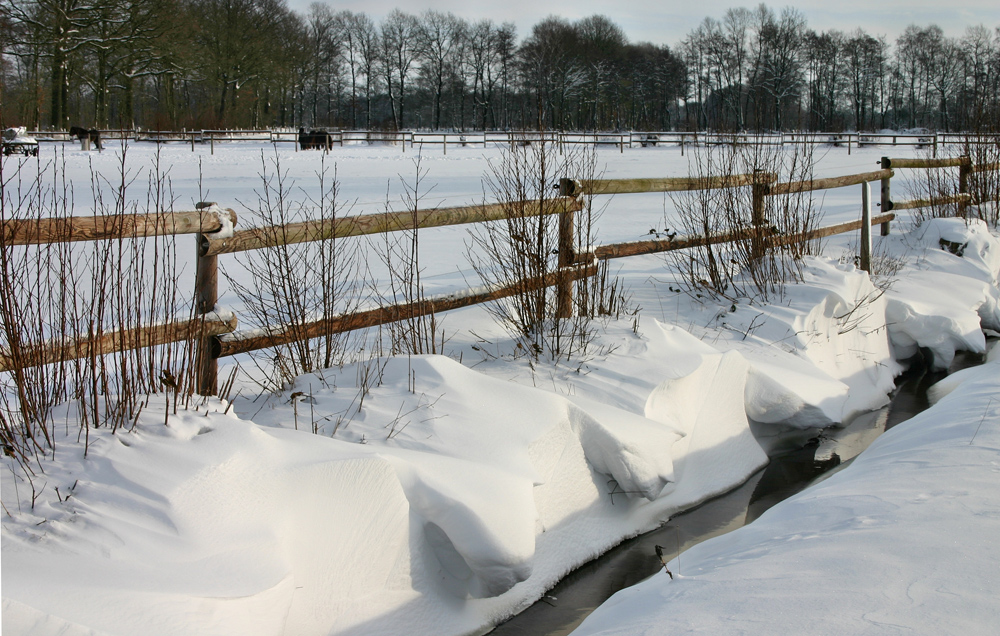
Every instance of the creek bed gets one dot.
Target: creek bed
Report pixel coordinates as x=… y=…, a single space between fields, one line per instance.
x=580 y=592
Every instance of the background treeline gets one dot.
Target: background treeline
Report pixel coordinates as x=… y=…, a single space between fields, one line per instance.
x=171 y=64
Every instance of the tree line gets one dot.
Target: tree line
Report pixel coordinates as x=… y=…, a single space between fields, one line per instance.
x=171 y=64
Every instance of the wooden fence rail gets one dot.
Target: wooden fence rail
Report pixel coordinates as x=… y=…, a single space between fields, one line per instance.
x=216 y=336
x=359 y=225
x=35 y=355
x=235 y=343
x=111 y=226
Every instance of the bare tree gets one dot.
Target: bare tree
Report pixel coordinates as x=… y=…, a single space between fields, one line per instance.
x=399 y=54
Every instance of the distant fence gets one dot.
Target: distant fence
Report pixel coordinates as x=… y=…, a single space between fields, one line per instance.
x=620 y=140
x=216 y=336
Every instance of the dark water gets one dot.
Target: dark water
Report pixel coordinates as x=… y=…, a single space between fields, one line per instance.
x=788 y=473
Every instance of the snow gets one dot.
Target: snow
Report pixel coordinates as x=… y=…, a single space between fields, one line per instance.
x=901 y=541
x=439 y=494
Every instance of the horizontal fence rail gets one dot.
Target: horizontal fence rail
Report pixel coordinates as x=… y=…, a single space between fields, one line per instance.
x=243 y=342
x=831 y=183
x=112 y=226
x=35 y=355
x=672 y=184
x=359 y=225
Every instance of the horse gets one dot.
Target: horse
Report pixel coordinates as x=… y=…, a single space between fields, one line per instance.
x=83 y=133
x=314 y=139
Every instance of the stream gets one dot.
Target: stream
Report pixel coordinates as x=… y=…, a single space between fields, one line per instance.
x=565 y=606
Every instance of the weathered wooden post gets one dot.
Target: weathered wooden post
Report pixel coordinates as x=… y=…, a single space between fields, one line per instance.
x=211 y=141
x=886 y=198
x=866 y=227
x=964 y=170
x=758 y=190
x=935 y=144
x=206 y=294
x=567 y=253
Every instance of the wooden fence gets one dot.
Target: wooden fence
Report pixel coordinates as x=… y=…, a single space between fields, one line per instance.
x=621 y=140
x=217 y=336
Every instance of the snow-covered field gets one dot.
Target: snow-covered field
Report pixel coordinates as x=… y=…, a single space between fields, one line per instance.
x=464 y=485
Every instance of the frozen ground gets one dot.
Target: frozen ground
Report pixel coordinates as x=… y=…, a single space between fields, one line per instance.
x=462 y=486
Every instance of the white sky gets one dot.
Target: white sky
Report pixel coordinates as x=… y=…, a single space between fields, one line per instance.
x=668 y=21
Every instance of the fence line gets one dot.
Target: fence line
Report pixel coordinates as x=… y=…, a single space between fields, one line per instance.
x=622 y=140
x=216 y=336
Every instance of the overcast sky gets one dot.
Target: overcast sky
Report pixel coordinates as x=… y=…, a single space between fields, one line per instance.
x=668 y=21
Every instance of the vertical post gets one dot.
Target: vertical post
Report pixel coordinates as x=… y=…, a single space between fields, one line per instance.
x=192 y=141
x=444 y=143
x=758 y=191
x=848 y=144
x=886 y=198
x=866 y=227
x=211 y=141
x=935 y=144
x=964 y=170
x=567 y=254
x=682 y=144
x=206 y=293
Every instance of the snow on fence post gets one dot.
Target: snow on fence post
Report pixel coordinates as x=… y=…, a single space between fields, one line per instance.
x=866 y=227
x=567 y=254
x=886 y=198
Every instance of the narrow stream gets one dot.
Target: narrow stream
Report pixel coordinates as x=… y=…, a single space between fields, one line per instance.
x=788 y=473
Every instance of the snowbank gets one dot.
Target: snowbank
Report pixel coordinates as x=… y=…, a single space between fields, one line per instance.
x=900 y=541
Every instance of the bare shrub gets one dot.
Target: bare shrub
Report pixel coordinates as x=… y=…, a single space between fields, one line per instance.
x=65 y=296
x=400 y=254
x=288 y=286
x=983 y=150
x=525 y=247
x=749 y=264
x=938 y=187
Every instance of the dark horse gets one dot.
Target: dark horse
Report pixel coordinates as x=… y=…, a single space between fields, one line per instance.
x=83 y=133
x=315 y=139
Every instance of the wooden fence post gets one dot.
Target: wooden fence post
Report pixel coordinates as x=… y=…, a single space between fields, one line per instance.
x=567 y=254
x=964 y=170
x=866 y=227
x=886 y=198
x=206 y=294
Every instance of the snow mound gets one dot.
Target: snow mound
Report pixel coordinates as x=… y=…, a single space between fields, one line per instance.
x=888 y=544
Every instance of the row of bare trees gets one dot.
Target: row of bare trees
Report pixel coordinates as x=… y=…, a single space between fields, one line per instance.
x=760 y=69
x=169 y=64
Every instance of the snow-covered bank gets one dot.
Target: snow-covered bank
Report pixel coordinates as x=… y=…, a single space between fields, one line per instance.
x=901 y=541
x=439 y=494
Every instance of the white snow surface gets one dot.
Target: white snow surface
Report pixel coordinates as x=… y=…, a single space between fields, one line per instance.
x=901 y=541
x=456 y=489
